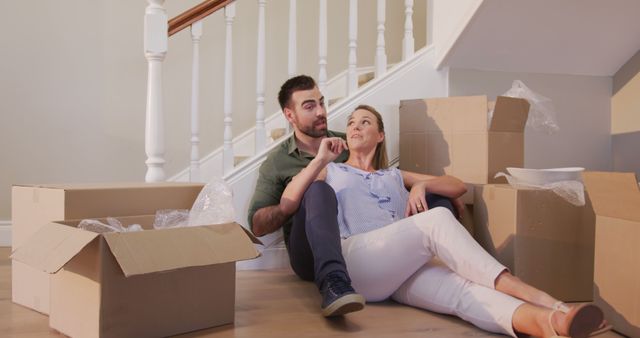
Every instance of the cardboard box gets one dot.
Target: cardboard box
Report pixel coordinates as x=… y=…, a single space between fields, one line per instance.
x=149 y=283
x=452 y=136
x=33 y=206
x=543 y=239
x=616 y=202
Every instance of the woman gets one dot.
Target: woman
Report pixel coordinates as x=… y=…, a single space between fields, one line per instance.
x=389 y=241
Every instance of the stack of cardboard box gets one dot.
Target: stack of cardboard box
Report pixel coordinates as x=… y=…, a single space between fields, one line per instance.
x=543 y=239
x=147 y=283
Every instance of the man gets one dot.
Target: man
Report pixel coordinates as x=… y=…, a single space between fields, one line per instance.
x=311 y=234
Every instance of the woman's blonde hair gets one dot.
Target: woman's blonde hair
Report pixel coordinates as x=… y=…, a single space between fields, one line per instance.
x=380 y=160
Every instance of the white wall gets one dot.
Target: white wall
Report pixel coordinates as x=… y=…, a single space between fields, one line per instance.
x=583 y=108
x=73 y=81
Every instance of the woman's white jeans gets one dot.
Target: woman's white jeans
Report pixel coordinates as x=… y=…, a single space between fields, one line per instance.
x=395 y=261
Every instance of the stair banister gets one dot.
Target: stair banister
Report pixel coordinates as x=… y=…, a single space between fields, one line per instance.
x=408 y=41
x=195 y=14
x=227 y=159
x=261 y=134
x=322 y=47
x=194 y=168
x=352 y=78
x=381 y=56
x=155 y=49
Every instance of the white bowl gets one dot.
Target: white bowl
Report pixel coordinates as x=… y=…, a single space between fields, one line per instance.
x=545 y=176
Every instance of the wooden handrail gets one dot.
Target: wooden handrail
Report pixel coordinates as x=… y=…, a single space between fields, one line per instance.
x=195 y=14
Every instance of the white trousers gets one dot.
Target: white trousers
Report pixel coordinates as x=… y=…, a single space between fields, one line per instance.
x=395 y=261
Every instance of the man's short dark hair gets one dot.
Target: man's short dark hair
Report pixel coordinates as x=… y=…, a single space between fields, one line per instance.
x=294 y=84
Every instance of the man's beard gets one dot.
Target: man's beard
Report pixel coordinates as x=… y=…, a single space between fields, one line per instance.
x=311 y=131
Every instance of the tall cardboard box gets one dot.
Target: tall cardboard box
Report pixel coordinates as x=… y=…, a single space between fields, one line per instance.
x=616 y=202
x=33 y=206
x=452 y=136
x=543 y=239
x=150 y=283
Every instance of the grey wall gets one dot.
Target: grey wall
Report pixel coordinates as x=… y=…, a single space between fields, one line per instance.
x=583 y=108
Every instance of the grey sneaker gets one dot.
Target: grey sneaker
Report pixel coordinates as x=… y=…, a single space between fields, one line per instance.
x=338 y=297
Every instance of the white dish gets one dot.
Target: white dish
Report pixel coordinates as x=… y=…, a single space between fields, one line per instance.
x=545 y=176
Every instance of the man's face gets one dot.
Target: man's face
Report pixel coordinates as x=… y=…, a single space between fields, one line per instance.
x=307 y=113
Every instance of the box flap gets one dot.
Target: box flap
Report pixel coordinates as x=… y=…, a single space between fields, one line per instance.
x=510 y=114
x=107 y=185
x=168 y=249
x=613 y=194
x=51 y=247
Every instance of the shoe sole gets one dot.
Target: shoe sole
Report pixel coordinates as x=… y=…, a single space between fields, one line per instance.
x=343 y=305
x=586 y=319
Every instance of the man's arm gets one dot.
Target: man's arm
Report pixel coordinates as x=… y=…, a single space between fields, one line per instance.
x=267 y=220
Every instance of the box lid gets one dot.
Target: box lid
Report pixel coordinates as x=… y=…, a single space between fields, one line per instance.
x=613 y=194
x=141 y=252
x=107 y=185
x=509 y=115
x=51 y=247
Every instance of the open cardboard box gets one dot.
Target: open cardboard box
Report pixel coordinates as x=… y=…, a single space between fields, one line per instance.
x=147 y=283
x=616 y=203
x=543 y=239
x=452 y=136
x=33 y=206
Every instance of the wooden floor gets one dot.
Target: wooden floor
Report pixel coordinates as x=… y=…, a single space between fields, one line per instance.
x=271 y=303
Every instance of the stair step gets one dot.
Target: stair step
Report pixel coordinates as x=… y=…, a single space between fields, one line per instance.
x=277 y=133
x=238 y=159
x=334 y=100
x=364 y=78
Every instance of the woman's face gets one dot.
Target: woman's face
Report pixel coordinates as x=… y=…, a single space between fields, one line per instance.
x=362 y=131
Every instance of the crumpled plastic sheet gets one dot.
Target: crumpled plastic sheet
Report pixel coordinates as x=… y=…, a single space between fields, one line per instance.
x=542 y=113
x=113 y=225
x=570 y=191
x=214 y=204
x=171 y=218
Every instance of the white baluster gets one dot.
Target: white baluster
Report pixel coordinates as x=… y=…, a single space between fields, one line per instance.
x=408 y=41
x=381 y=56
x=292 y=38
x=322 y=46
x=293 y=44
x=227 y=154
x=352 y=76
x=194 y=169
x=155 y=49
x=261 y=135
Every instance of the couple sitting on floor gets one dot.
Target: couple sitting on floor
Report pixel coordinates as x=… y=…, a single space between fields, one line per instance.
x=362 y=230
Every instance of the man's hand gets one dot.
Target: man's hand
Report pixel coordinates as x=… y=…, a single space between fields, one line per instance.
x=267 y=220
x=459 y=205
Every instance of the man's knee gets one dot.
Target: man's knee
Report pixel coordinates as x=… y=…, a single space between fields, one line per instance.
x=434 y=200
x=319 y=191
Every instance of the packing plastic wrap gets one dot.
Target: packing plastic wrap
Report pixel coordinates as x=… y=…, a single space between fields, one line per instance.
x=171 y=218
x=571 y=191
x=214 y=204
x=542 y=114
x=113 y=226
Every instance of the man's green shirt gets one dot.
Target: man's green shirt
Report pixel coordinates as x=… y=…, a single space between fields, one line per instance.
x=276 y=172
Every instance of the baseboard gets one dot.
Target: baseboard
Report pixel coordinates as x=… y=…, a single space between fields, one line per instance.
x=5 y=233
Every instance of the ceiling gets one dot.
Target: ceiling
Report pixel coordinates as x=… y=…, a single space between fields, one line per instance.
x=585 y=37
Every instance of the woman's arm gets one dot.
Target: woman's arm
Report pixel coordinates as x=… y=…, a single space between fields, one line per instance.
x=420 y=184
x=329 y=150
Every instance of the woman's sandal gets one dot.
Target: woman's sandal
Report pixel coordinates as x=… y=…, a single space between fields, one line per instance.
x=564 y=308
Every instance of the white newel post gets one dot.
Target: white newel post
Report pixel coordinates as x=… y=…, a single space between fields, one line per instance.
x=381 y=56
x=227 y=161
x=322 y=46
x=408 y=41
x=155 y=49
x=293 y=43
x=261 y=135
x=194 y=168
x=352 y=81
